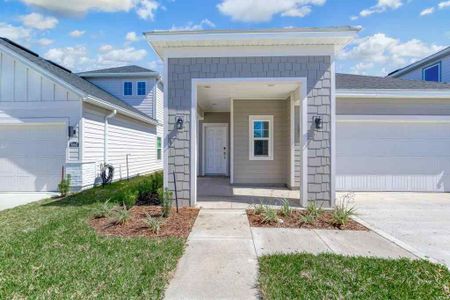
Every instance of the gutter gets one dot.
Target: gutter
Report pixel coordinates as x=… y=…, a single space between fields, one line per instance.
x=138 y=74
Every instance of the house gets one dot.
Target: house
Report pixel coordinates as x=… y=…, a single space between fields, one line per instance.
x=54 y=121
x=265 y=107
x=435 y=67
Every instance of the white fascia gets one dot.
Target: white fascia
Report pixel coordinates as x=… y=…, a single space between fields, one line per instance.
x=95 y=75
x=372 y=93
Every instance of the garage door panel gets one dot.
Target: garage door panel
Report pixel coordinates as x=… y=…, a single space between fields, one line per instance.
x=393 y=156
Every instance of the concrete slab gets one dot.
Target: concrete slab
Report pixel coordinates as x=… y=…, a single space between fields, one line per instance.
x=11 y=200
x=287 y=240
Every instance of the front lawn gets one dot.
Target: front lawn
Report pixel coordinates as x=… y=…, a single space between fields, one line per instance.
x=48 y=251
x=330 y=276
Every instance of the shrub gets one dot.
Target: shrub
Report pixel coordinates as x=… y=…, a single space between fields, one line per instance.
x=156 y=183
x=128 y=198
x=166 y=198
x=343 y=211
x=154 y=224
x=285 y=209
x=64 y=185
x=120 y=215
x=308 y=219
x=148 y=189
x=103 y=210
x=313 y=210
x=269 y=215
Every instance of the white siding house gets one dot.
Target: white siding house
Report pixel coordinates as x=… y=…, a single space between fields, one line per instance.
x=53 y=122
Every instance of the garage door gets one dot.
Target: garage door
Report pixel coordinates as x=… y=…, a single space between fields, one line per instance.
x=31 y=157
x=393 y=154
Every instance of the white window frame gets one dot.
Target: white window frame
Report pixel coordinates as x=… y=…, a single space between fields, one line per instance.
x=251 y=120
x=137 y=88
x=438 y=64
x=123 y=88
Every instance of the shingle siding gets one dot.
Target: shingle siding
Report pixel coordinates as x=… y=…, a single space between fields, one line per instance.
x=317 y=70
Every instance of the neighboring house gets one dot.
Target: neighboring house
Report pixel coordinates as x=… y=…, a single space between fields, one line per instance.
x=265 y=107
x=435 y=68
x=52 y=119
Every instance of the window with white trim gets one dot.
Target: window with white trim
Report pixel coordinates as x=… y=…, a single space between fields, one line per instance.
x=261 y=137
x=432 y=73
x=158 y=148
x=141 y=88
x=127 y=88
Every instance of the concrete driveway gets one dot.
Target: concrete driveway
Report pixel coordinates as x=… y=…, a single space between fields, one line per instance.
x=420 y=220
x=10 y=200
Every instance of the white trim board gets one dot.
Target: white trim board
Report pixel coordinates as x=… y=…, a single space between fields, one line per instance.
x=393 y=119
x=204 y=126
x=372 y=93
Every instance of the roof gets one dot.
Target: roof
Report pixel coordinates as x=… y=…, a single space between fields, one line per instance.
x=420 y=63
x=118 y=71
x=361 y=82
x=70 y=78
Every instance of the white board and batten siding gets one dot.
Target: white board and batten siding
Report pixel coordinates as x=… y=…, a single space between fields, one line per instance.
x=126 y=137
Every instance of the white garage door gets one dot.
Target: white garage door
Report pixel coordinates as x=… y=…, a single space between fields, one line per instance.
x=393 y=154
x=31 y=157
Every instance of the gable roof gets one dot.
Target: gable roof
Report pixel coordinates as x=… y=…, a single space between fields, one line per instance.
x=362 y=82
x=420 y=63
x=117 y=71
x=70 y=78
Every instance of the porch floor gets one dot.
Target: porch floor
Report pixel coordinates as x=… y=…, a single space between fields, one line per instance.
x=217 y=192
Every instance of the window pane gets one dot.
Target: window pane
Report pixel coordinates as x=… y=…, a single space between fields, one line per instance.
x=128 y=89
x=158 y=154
x=432 y=74
x=158 y=143
x=261 y=129
x=261 y=148
x=141 y=88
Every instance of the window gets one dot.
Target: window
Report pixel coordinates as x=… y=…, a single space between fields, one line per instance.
x=432 y=73
x=128 y=88
x=261 y=138
x=158 y=148
x=141 y=88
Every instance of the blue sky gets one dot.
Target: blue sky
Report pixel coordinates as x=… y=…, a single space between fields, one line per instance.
x=89 y=34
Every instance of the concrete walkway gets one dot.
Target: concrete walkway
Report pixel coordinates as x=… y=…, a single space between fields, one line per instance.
x=11 y=200
x=220 y=259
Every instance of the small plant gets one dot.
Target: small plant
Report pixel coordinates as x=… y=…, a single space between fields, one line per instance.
x=64 y=185
x=120 y=215
x=269 y=215
x=166 y=198
x=308 y=219
x=154 y=224
x=286 y=209
x=313 y=210
x=343 y=211
x=259 y=209
x=129 y=198
x=103 y=210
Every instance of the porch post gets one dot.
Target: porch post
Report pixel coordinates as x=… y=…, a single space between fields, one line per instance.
x=303 y=107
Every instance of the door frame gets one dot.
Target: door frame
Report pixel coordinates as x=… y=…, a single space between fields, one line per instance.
x=204 y=126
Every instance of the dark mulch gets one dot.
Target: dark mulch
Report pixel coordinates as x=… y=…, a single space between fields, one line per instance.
x=176 y=225
x=295 y=221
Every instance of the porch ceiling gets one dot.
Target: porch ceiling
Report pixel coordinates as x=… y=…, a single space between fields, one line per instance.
x=216 y=97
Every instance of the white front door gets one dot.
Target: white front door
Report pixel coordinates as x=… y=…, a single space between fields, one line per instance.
x=216 y=149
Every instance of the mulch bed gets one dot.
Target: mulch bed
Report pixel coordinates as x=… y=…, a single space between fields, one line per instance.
x=176 y=225
x=294 y=221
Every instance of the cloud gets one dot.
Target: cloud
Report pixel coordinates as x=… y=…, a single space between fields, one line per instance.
x=38 y=21
x=191 y=26
x=77 y=33
x=444 y=4
x=145 y=9
x=427 y=11
x=15 y=33
x=264 y=10
x=70 y=57
x=376 y=52
x=380 y=7
x=110 y=56
x=131 y=36
x=45 y=42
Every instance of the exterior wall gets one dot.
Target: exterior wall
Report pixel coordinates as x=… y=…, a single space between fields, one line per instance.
x=317 y=70
x=416 y=74
x=125 y=137
x=114 y=86
x=379 y=106
x=270 y=172
x=211 y=117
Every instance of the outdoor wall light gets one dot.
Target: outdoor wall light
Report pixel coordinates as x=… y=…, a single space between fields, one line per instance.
x=180 y=123
x=318 y=122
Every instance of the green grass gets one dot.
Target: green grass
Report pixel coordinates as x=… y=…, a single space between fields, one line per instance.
x=330 y=276
x=48 y=251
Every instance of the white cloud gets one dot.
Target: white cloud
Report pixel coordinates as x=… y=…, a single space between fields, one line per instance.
x=379 y=51
x=444 y=4
x=145 y=9
x=131 y=36
x=264 y=10
x=16 y=33
x=45 y=42
x=77 y=33
x=38 y=21
x=191 y=26
x=70 y=57
x=109 y=55
x=427 y=11
x=381 y=6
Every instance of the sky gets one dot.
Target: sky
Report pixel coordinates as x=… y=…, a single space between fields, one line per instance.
x=91 y=34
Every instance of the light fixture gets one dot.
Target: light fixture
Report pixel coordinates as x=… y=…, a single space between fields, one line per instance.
x=179 y=123
x=318 y=122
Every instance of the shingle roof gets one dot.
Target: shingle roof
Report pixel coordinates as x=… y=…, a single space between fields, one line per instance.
x=360 y=82
x=119 y=70
x=69 y=77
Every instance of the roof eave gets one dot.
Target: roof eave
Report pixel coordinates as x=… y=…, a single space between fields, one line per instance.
x=393 y=93
x=128 y=74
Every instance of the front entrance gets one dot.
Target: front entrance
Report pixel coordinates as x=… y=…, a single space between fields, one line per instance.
x=215 y=149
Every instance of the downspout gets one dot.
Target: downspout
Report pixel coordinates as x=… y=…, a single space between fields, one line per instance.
x=105 y=139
